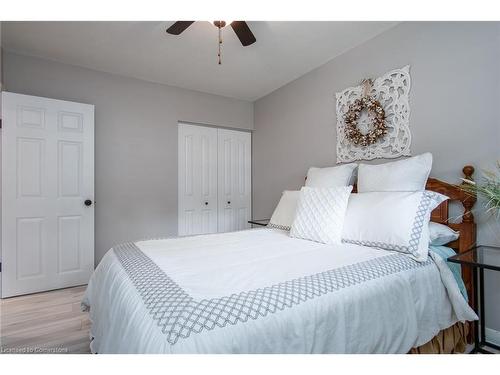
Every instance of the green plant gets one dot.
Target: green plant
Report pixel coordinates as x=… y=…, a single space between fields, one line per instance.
x=488 y=188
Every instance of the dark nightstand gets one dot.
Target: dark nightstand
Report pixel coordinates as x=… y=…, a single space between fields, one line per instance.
x=260 y=223
x=480 y=258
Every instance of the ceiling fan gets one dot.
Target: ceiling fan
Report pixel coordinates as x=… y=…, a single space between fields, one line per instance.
x=241 y=29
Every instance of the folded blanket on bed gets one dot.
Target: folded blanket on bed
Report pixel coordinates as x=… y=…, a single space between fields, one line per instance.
x=444 y=253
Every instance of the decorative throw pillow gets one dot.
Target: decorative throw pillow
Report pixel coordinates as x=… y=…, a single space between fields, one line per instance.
x=331 y=176
x=284 y=213
x=396 y=221
x=403 y=175
x=320 y=214
x=440 y=234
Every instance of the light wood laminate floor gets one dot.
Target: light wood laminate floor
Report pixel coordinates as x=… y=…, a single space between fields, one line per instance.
x=49 y=322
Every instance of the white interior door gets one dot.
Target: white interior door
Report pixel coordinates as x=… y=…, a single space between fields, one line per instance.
x=234 y=174
x=47 y=176
x=197 y=197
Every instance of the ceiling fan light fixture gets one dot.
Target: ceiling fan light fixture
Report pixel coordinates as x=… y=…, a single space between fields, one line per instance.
x=222 y=24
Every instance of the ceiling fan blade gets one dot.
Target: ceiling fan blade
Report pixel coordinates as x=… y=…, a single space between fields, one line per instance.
x=243 y=32
x=178 y=27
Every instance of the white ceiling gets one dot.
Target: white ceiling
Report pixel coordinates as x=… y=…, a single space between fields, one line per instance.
x=283 y=52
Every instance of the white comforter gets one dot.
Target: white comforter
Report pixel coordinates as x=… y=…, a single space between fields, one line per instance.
x=260 y=291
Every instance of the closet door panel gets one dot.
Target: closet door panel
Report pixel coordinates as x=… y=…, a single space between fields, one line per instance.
x=208 y=180
x=242 y=183
x=197 y=180
x=234 y=180
x=225 y=187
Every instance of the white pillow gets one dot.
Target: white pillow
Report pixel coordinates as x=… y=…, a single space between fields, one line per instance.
x=440 y=234
x=320 y=214
x=403 y=175
x=396 y=221
x=331 y=176
x=284 y=213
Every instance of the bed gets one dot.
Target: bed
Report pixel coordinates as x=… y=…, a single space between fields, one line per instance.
x=260 y=291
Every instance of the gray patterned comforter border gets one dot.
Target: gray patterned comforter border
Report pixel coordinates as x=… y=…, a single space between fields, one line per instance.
x=178 y=315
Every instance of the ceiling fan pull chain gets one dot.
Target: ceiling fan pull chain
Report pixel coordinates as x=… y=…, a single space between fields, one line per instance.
x=220 y=44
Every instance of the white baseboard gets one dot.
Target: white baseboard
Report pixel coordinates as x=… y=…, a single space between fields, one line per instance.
x=492 y=335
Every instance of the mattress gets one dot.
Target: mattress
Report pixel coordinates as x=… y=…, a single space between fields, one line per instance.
x=260 y=291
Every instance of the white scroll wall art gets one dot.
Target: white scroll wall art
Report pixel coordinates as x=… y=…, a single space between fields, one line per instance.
x=392 y=91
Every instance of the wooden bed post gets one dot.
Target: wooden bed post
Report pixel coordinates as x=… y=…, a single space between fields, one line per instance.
x=467 y=240
x=469 y=202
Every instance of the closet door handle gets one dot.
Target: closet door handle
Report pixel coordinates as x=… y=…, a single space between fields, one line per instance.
x=206 y=203
x=228 y=202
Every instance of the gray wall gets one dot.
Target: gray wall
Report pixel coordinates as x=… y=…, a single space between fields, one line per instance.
x=1 y=87
x=135 y=140
x=1 y=59
x=454 y=102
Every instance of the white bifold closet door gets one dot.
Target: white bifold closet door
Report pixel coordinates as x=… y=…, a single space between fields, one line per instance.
x=214 y=179
x=197 y=179
x=47 y=194
x=234 y=187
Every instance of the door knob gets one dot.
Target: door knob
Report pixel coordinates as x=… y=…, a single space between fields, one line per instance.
x=206 y=203
x=88 y=202
x=228 y=202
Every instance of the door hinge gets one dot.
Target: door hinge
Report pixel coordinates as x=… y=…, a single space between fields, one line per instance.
x=0 y=266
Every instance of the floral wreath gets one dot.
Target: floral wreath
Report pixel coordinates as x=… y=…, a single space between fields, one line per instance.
x=351 y=117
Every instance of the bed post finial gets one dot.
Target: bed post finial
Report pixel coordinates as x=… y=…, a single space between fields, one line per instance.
x=468 y=203
x=468 y=171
